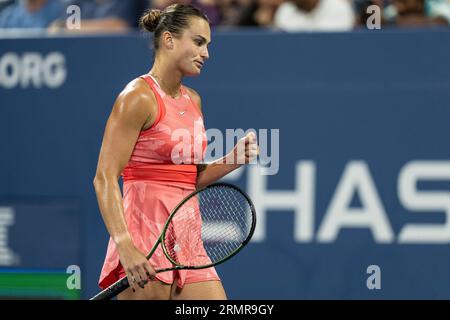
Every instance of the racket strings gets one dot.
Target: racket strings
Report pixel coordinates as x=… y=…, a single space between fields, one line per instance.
x=209 y=227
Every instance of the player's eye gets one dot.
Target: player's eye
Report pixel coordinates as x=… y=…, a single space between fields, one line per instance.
x=199 y=42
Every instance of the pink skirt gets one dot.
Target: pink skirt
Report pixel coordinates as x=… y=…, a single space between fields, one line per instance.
x=147 y=205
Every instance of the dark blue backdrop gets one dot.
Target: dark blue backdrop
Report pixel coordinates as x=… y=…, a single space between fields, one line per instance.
x=353 y=110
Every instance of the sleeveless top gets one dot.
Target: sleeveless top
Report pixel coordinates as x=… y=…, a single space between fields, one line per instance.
x=169 y=150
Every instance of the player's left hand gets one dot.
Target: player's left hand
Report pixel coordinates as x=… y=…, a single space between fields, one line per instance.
x=245 y=150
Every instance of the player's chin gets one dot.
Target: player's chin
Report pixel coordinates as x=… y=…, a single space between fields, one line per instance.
x=191 y=73
x=195 y=69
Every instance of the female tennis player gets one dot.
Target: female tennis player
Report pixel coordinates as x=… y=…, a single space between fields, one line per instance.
x=155 y=140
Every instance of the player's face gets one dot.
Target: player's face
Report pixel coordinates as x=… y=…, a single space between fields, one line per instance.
x=192 y=47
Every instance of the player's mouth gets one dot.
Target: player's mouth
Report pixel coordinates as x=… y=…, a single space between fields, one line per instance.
x=199 y=63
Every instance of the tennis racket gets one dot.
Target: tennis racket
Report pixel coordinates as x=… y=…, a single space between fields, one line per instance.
x=206 y=228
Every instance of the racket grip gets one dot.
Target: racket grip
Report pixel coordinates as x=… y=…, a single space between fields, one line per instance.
x=113 y=290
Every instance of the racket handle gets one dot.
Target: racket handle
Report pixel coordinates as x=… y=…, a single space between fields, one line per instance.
x=113 y=290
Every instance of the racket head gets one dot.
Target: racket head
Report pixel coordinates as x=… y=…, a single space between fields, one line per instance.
x=207 y=212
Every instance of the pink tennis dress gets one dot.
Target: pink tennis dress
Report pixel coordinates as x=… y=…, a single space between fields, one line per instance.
x=160 y=173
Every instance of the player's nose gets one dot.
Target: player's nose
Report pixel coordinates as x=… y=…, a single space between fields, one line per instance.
x=205 y=53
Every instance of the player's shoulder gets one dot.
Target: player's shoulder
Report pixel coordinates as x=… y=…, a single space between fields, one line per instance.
x=138 y=89
x=194 y=96
x=136 y=97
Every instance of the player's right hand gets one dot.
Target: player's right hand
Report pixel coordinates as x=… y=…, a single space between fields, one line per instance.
x=137 y=267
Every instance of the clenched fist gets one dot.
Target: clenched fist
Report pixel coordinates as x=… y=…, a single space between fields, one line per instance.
x=245 y=150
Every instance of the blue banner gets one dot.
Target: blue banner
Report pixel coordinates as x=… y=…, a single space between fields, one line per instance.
x=354 y=202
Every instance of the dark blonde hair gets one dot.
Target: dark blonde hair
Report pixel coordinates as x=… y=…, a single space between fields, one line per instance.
x=174 y=18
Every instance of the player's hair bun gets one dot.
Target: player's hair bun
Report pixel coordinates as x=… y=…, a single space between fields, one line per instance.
x=149 y=21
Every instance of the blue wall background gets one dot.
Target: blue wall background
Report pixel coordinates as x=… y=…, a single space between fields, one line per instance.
x=380 y=98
